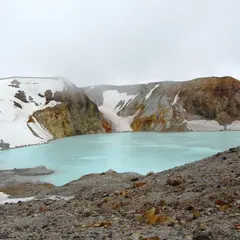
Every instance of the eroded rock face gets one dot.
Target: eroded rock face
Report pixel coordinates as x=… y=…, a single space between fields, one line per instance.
x=74 y=115
x=172 y=104
x=210 y=104
x=213 y=99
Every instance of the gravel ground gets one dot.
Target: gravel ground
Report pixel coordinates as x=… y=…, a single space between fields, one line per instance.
x=197 y=201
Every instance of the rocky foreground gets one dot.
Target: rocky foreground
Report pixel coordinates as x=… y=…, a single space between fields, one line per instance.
x=198 y=201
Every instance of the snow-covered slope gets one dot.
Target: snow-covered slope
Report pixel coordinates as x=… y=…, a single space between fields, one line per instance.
x=113 y=102
x=19 y=98
x=110 y=100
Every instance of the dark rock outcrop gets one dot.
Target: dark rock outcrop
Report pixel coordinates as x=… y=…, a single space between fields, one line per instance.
x=15 y=83
x=17 y=104
x=21 y=96
x=48 y=96
x=4 y=145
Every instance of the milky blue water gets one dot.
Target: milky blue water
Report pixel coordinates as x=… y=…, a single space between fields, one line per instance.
x=138 y=152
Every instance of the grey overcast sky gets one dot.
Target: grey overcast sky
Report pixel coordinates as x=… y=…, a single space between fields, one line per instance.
x=120 y=41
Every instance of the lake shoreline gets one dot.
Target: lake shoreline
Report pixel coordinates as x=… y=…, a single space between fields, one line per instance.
x=199 y=200
x=164 y=132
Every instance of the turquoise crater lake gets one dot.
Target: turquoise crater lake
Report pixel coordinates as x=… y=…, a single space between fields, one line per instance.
x=136 y=152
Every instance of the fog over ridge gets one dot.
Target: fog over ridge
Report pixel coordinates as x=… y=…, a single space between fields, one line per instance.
x=120 y=41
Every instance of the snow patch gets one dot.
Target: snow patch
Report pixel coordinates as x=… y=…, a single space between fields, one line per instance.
x=59 y=197
x=150 y=93
x=175 y=99
x=234 y=126
x=40 y=130
x=204 y=125
x=120 y=124
x=112 y=97
x=4 y=198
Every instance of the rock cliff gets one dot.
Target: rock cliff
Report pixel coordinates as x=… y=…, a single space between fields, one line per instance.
x=204 y=104
x=75 y=114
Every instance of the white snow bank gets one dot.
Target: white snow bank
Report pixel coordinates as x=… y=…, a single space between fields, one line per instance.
x=204 y=125
x=4 y=198
x=14 y=128
x=112 y=97
x=120 y=124
x=235 y=126
x=208 y=126
x=175 y=99
x=110 y=100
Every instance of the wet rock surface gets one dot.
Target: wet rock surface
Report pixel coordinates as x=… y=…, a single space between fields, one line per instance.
x=196 y=201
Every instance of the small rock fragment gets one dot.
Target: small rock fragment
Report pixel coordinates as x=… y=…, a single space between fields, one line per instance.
x=220 y=202
x=149 y=238
x=237 y=227
x=150 y=174
x=102 y=224
x=202 y=237
x=135 y=179
x=175 y=181
x=139 y=184
x=152 y=218
x=188 y=237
